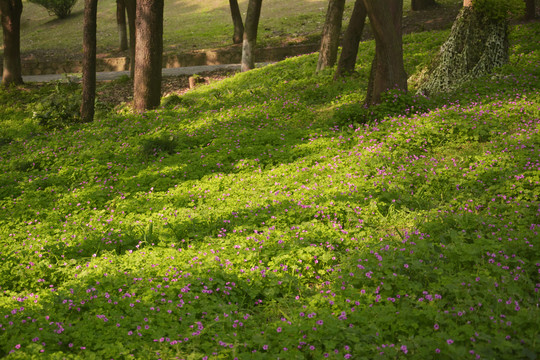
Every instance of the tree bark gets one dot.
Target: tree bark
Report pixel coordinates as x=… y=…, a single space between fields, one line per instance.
x=351 y=41
x=387 y=69
x=10 y=13
x=250 y=34
x=417 y=5
x=237 y=22
x=148 y=54
x=131 y=10
x=475 y=47
x=330 y=34
x=121 y=23
x=89 y=60
x=530 y=10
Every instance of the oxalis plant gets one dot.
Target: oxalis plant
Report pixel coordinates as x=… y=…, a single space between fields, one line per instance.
x=247 y=221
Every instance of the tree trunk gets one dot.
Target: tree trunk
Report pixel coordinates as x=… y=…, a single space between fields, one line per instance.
x=237 y=22
x=250 y=34
x=417 y=5
x=475 y=47
x=131 y=10
x=530 y=10
x=353 y=35
x=121 y=23
x=89 y=60
x=330 y=34
x=148 y=54
x=10 y=13
x=387 y=69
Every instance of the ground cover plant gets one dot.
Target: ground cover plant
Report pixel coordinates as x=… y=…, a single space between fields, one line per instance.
x=261 y=217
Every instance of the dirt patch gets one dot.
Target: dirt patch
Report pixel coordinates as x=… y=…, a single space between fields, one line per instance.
x=121 y=91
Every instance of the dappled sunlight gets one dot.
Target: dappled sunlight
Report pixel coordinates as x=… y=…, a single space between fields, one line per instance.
x=271 y=215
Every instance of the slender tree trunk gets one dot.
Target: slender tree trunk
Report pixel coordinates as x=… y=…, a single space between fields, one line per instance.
x=237 y=22
x=530 y=10
x=10 y=13
x=131 y=10
x=351 y=41
x=330 y=34
x=475 y=47
x=148 y=54
x=121 y=23
x=89 y=60
x=387 y=69
x=417 y=5
x=250 y=34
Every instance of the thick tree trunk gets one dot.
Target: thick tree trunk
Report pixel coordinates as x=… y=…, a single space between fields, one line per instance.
x=417 y=5
x=237 y=22
x=475 y=47
x=148 y=54
x=131 y=10
x=121 y=23
x=330 y=34
x=351 y=41
x=250 y=34
x=10 y=13
x=387 y=69
x=530 y=10
x=89 y=60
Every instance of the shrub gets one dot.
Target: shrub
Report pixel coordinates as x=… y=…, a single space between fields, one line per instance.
x=60 y=108
x=500 y=10
x=60 y=8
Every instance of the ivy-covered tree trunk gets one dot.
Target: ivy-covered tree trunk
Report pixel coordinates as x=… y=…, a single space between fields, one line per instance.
x=237 y=22
x=148 y=54
x=475 y=47
x=387 y=69
x=121 y=24
x=351 y=40
x=10 y=13
x=89 y=60
x=330 y=34
x=250 y=34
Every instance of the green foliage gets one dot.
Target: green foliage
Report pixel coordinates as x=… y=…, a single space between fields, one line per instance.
x=60 y=108
x=156 y=145
x=393 y=103
x=246 y=223
x=500 y=10
x=171 y=101
x=60 y=8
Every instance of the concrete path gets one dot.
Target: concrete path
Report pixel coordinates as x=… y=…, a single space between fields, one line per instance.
x=111 y=75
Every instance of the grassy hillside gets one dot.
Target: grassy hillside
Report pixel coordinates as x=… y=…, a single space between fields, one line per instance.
x=269 y=216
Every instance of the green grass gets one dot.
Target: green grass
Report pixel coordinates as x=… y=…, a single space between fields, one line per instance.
x=188 y=25
x=253 y=219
